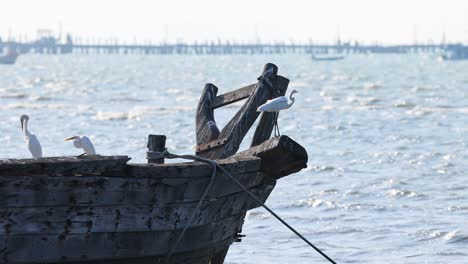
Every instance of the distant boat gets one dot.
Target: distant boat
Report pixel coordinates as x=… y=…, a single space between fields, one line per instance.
x=328 y=57
x=10 y=57
x=454 y=52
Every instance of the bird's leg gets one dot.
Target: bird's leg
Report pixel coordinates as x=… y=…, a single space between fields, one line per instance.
x=81 y=155
x=276 y=123
x=277 y=132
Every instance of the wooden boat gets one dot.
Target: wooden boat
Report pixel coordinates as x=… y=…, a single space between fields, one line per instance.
x=328 y=58
x=102 y=209
x=9 y=58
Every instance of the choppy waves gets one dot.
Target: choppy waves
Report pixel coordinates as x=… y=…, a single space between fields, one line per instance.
x=139 y=112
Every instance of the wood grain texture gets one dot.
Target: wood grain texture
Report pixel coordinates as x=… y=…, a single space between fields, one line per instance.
x=198 y=256
x=280 y=156
x=104 y=191
x=95 y=246
x=58 y=166
x=156 y=143
x=205 y=125
x=43 y=220
x=233 y=96
x=236 y=165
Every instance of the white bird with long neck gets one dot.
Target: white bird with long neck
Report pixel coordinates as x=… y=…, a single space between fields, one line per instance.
x=31 y=139
x=276 y=105
x=84 y=143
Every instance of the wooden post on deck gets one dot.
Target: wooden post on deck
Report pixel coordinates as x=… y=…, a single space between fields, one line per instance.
x=156 y=143
x=206 y=127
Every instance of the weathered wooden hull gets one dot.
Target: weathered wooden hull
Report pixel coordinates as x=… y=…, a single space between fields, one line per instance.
x=136 y=214
x=102 y=210
x=198 y=256
x=112 y=246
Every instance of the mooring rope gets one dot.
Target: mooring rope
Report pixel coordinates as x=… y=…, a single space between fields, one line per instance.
x=166 y=154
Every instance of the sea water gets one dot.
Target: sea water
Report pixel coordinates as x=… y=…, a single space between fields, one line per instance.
x=387 y=177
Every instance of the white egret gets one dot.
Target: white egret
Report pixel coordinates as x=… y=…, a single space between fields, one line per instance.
x=31 y=139
x=84 y=143
x=276 y=105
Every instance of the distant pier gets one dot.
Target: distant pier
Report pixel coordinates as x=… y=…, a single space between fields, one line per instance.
x=52 y=46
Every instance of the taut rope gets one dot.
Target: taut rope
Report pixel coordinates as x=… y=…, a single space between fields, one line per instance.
x=166 y=154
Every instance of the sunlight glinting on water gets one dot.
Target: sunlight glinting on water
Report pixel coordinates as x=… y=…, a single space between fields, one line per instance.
x=386 y=137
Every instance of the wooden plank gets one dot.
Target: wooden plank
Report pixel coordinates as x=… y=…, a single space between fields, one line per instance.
x=236 y=165
x=198 y=256
x=280 y=156
x=206 y=129
x=117 y=167
x=268 y=119
x=124 y=218
x=33 y=191
x=233 y=96
x=57 y=166
x=95 y=246
x=211 y=144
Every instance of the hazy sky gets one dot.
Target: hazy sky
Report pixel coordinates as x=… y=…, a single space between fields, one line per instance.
x=384 y=21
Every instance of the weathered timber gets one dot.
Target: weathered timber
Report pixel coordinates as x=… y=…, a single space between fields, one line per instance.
x=236 y=164
x=233 y=96
x=206 y=129
x=58 y=166
x=219 y=258
x=280 y=156
x=73 y=247
x=198 y=256
x=237 y=128
x=156 y=143
x=124 y=218
x=116 y=166
x=103 y=191
x=268 y=119
x=211 y=144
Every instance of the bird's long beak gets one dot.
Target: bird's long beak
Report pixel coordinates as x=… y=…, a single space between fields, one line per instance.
x=22 y=126
x=70 y=138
